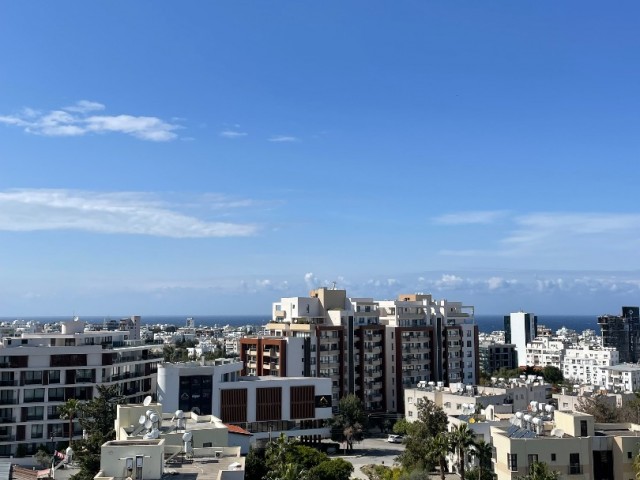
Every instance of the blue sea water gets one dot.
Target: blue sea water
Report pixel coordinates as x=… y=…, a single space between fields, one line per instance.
x=486 y=323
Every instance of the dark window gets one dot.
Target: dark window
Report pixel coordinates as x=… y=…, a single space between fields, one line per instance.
x=629 y=455
x=512 y=462
x=574 y=464
x=583 y=428
x=553 y=457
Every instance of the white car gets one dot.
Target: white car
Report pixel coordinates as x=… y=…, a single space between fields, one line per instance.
x=394 y=439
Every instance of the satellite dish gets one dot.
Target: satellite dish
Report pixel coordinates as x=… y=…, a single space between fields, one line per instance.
x=179 y=414
x=154 y=417
x=187 y=437
x=142 y=419
x=147 y=401
x=148 y=424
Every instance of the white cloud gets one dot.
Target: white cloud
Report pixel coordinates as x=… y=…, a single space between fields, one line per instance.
x=123 y=213
x=473 y=217
x=233 y=134
x=74 y=121
x=283 y=139
x=84 y=106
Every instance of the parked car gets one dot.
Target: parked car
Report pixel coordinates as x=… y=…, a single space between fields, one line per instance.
x=394 y=439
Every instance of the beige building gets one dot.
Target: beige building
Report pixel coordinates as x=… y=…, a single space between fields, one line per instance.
x=571 y=443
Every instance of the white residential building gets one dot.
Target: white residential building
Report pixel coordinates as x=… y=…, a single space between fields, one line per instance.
x=618 y=378
x=578 y=364
x=545 y=352
x=41 y=371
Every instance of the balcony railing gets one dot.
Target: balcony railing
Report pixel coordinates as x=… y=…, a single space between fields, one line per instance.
x=575 y=470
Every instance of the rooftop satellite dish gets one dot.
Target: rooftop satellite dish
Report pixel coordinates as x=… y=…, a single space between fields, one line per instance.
x=142 y=419
x=148 y=424
x=154 y=417
x=147 y=401
x=179 y=414
x=187 y=437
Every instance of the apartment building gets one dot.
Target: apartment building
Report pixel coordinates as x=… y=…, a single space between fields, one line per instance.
x=41 y=371
x=494 y=356
x=276 y=356
x=264 y=406
x=622 y=332
x=375 y=349
x=618 y=378
x=545 y=352
x=571 y=443
x=579 y=364
x=520 y=328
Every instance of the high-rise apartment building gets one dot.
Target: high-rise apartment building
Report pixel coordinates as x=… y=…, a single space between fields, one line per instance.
x=623 y=333
x=520 y=328
x=375 y=349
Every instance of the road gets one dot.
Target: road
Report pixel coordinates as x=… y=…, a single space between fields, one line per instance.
x=372 y=451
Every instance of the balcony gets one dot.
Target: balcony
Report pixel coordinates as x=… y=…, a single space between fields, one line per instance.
x=7 y=420
x=9 y=383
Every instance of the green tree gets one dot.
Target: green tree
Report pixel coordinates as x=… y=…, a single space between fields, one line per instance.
x=350 y=422
x=552 y=374
x=462 y=439
x=438 y=448
x=540 y=471
x=401 y=427
x=430 y=422
x=96 y=417
x=331 y=469
x=255 y=466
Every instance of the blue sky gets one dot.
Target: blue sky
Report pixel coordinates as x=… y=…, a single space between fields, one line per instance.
x=211 y=157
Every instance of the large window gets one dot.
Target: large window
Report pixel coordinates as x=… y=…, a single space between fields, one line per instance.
x=54 y=376
x=37 y=431
x=32 y=377
x=574 y=464
x=33 y=395
x=512 y=462
x=196 y=393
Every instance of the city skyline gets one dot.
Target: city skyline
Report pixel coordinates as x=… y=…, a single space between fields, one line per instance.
x=209 y=159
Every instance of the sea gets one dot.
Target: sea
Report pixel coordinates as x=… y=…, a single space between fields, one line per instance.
x=486 y=323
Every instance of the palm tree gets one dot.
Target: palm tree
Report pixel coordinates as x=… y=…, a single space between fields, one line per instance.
x=438 y=448
x=484 y=452
x=70 y=410
x=461 y=438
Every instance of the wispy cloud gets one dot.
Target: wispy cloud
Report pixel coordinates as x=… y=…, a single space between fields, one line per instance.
x=80 y=119
x=283 y=139
x=116 y=213
x=233 y=134
x=473 y=217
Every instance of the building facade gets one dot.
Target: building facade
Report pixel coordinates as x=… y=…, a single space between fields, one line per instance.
x=520 y=328
x=41 y=371
x=622 y=332
x=264 y=406
x=375 y=349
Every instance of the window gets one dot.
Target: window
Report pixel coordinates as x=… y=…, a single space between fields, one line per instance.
x=583 y=428
x=37 y=431
x=410 y=413
x=574 y=464
x=512 y=462
x=531 y=459
x=629 y=455
x=469 y=343
x=553 y=457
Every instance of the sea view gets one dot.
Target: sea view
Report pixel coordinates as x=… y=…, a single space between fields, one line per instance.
x=487 y=323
